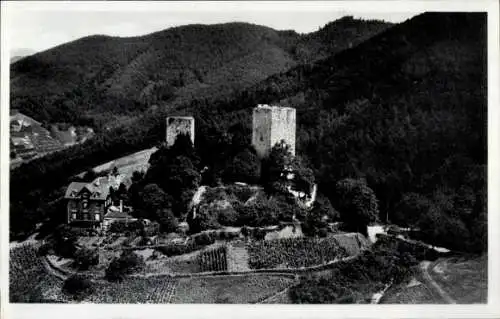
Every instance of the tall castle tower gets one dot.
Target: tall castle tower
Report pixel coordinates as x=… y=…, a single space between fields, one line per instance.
x=271 y=124
x=179 y=125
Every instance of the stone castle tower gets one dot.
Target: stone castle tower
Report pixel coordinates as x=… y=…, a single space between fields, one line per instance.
x=271 y=124
x=179 y=125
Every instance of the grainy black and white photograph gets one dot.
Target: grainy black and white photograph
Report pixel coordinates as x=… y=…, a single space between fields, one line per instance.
x=221 y=153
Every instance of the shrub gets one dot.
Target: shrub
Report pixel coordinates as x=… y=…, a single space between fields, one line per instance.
x=177 y=249
x=152 y=229
x=242 y=193
x=206 y=218
x=245 y=231
x=358 y=204
x=227 y=216
x=287 y=207
x=323 y=232
x=126 y=264
x=244 y=167
x=46 y=249
x=314 y=223
x=136 y=226
x=180 y=249
x=65 y=242
x=84 y=258
x=410 y=209
x=204 y=239
x=168 y=222
x=118 y=227
x=357 y=279
x=78 y=287
x=213 y=194
x=259 y=234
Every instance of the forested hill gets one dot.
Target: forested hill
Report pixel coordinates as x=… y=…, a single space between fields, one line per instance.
x=407 y=111
x=100 y=74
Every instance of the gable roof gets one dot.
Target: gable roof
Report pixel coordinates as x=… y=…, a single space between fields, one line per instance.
x=73 y=189
x=112 y=213
x=99 y=190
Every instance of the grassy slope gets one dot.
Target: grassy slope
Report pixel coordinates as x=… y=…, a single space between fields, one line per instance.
x=463 y=278
x=229 y=289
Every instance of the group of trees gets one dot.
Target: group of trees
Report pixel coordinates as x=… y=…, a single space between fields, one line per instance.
x=164 y=193
x=358 y=279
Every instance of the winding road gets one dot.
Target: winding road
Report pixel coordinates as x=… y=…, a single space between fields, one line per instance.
x=424 y=267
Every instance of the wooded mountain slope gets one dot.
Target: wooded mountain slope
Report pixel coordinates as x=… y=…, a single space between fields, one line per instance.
x=406 y=110
x=101 y=74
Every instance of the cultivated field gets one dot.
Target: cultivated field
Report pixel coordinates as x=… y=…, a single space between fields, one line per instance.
x=302 y=251
x=230 y=289
x=29 y=280
x=134 y=290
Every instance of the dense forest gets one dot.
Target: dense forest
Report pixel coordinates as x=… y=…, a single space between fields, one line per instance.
x=404 y=110
x=118 y=78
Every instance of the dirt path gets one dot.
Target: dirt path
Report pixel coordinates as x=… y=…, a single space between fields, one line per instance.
x=271 y=299
x=424 y=267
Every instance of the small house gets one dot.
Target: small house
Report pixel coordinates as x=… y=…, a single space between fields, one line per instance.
x=87 y=203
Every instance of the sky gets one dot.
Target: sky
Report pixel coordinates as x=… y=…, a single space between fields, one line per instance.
x=34 y=27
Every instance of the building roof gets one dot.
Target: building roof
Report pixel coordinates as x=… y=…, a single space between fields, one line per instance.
x=21 y=118
x=74 y=187
x=99 y=189
x=115 y=213
x=272 y=107
x=181 y=117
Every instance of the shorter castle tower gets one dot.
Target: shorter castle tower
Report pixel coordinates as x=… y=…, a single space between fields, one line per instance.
x=179 y=125
x=271 y=125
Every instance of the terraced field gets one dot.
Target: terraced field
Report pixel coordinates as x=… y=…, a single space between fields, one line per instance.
x=29 y=279
x=237 y=257
x=303 y=251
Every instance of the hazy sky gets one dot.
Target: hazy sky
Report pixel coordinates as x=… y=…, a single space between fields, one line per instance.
x=39 y=26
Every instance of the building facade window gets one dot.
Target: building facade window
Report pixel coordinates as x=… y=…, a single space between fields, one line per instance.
x=73 y=216
x=85 y=204
x=97 y=217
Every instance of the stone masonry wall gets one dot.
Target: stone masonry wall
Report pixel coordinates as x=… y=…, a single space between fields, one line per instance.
x=261 y=131
x=271 y=124
x=283 y=127
x=179 y=125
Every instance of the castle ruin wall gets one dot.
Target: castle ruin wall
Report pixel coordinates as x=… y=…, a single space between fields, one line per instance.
x=179 y=125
